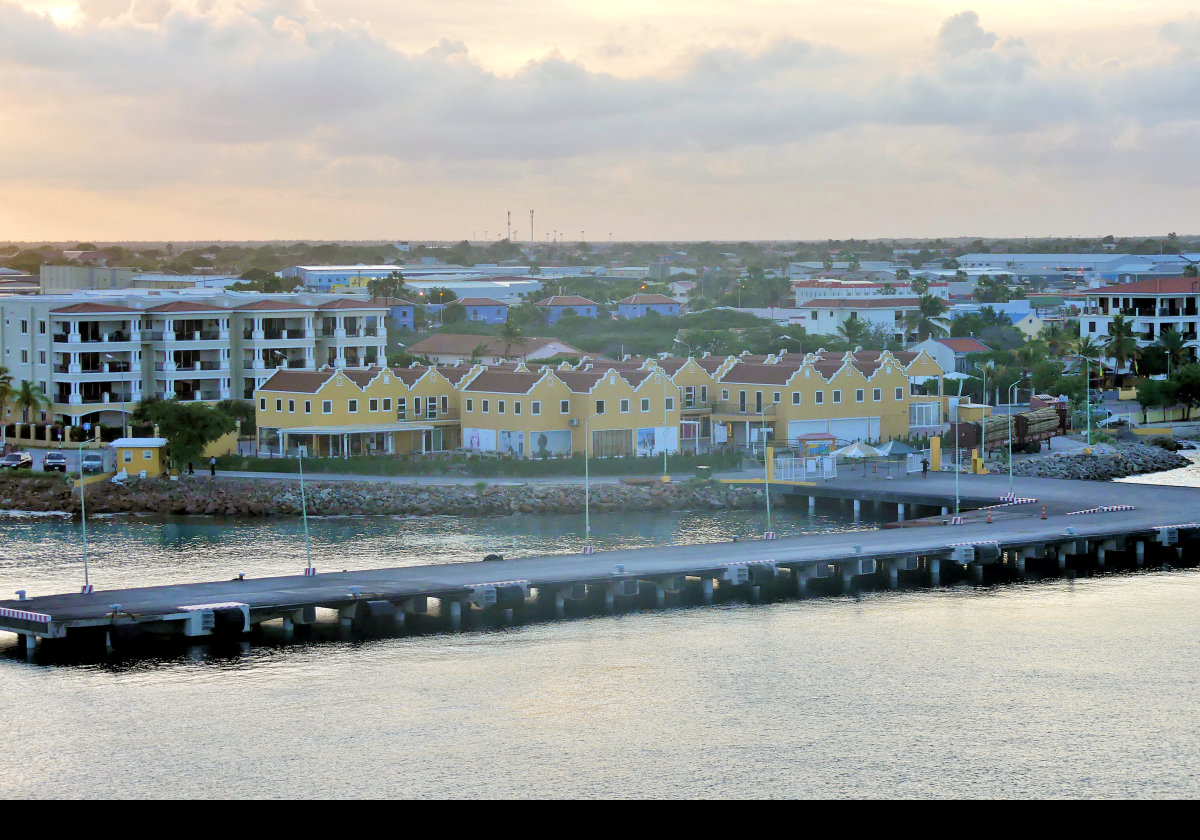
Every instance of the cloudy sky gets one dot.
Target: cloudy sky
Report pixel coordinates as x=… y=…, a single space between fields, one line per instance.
x=646 y=119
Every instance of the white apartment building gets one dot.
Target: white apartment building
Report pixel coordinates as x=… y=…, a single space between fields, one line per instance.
x=825 y=315
x=1154 y=306
x=94 y=354
x=808 y=290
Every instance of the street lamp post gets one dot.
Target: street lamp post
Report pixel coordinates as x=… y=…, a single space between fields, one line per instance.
x=587 y=487
x=124 y=419
x=87 y=586
x=304 y=511
x=983 y=368
x=1012 y=398
x=1087 y=386
x=762 y=429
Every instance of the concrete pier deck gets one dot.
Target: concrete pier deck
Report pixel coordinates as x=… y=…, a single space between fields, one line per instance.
x=1139 y=515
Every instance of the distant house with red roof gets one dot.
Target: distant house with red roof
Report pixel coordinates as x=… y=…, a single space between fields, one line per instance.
x=952 y=353
x=558 y=305
x=636 y=306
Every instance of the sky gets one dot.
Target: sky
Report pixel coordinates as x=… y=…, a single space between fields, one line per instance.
x=637 y=119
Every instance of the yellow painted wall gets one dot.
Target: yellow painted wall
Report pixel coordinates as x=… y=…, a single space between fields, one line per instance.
x=226 y=444
x=612 y=389
x=133 y=459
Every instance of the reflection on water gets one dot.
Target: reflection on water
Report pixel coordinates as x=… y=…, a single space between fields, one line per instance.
x=1066 y=687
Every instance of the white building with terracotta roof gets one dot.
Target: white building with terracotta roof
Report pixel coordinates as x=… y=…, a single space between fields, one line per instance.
x=1155 y=306
x=94 y=354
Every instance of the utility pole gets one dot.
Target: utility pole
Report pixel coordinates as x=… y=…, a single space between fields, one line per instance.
x=509 y=225
x=532 y=241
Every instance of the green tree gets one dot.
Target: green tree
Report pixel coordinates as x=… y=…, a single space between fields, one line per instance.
x=928 y=320
x=1187 y=387
x=29 y=397
x=187 y=426
x=239 y=410
x=6 y=391
x=1190 y=270
x=1156 y=393
x=511 y=335
x=390 y=286
x=853 y=331
x=1174 y=346
x=1121 y=346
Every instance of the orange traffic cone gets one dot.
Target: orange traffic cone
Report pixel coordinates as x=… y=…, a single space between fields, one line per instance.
x=1043 y=511
x=989 y=517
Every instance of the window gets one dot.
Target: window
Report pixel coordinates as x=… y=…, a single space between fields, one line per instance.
x=431 y=409
x=373 y=405
x=470 y=404
x=859 y=394
x=624 y=406
x=516 y=406
x=279 y=405
x=670 y=404
x=499 y=406
x=352 y=406
x=778 y=398
x=599 y=406
x=147 y=454
x=725 y=394
x=291 y=406
x=819 y=397
x=837 y=396
x=41 y=357
x=703 y=393
x=41 y=327
x=535 y=408
x=900 y=393
x=387 y=403
x=741 y=401
x=127 y=456
x=417 y=406
x=645 y=405
x=564 y=407
x=689 y=396
x=877 y=394
x=402 y=407
x=445 y=404
x=24 y=327
x=262 y=403
x=485 y=406
x=308 y=406
x=795 y=398
x=25 y=357
x=1091 y=327
x=327 y=406
x=924 y=414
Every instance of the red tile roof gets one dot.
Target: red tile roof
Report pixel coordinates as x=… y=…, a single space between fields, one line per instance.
x=92 y=307
x=566 y=300
x=348 y=303
x=480 y=301
x=964 y=345
x=889 y=302
x=750 y=373
x=186 y=306
x=273 y=306
x=297 y=381
x=648 y=300
x=504 y=382
x=1151 y=286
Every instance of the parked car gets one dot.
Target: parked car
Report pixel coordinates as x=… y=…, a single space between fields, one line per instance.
x=17 y=461
x=93 y=462
x=54 y=461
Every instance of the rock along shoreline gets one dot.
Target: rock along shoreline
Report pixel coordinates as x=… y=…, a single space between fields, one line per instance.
x=197 y=495
x=1117 y=461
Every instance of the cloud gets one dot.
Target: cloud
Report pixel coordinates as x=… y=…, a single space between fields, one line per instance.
x=265 y=94
x=962 y=34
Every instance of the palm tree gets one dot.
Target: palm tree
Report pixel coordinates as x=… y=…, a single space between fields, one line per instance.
x=511 y=334
x=1171 y=342
x=853 y=331
x=1121 y=346
x=30 y=397
x=927 y=320
x=6 y=391
x=1056 y=339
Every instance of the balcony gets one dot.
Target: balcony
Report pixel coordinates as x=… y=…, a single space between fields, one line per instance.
x=743 y=411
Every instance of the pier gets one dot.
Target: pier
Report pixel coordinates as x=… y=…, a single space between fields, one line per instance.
x=1056 y=524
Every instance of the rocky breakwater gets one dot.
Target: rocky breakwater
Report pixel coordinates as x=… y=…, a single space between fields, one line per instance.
x=1110 y=461
x=192 y=495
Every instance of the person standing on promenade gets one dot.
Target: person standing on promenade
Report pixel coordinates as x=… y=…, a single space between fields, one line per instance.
x=212 y=466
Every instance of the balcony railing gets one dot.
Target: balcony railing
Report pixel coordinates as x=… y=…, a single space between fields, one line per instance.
x=747 y=410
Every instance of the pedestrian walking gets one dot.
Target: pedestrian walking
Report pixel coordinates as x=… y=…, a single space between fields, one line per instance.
x=924 y=468
x=191 y=469
x=212 y=466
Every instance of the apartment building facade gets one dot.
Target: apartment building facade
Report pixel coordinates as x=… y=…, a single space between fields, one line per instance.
x=1154 y=306
x=95 y=354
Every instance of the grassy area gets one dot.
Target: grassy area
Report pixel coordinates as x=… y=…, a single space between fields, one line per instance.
x=484 y=467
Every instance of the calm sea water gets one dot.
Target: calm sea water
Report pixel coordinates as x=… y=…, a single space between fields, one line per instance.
x=1081 y=687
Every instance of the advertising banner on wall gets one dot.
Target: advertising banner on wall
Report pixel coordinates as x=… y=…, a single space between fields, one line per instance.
x=653 y=440
x=550 y=444
x=481 y=440
x=513 y=443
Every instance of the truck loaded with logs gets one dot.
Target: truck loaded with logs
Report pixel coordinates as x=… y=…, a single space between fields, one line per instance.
x=1027 y=429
